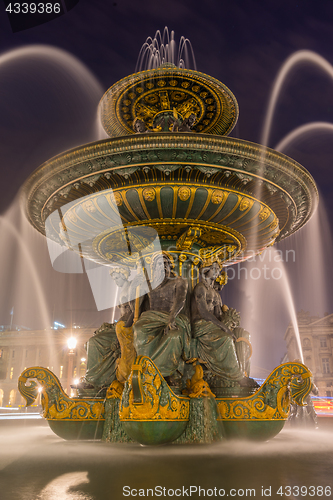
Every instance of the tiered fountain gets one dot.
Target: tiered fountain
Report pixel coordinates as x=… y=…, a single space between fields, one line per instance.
x=169 y=179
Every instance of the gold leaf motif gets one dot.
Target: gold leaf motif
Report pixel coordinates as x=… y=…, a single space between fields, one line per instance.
x=185 y=84
x=245 y=204
x=161 y=83
x=184 y=193
x=203 y=94
x=139 y=90
x=149 y=85
x=71 y=216
x=89 y=206
x=217 y=196
x=195 y=88
x=264 y=213
x=274 y=224
x=149 y=194
x=118 y=199
x=173 y=83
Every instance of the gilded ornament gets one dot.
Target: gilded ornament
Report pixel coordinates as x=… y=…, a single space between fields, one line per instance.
x=184 y=193
x=153 y=400
x=173 y=83
x=274 y=224
x=264 y=213
x=272 y=400
x=56 y=404
x=197 y=387
x=149 y=194
x=161 y=83
x=217 y=196
x=71 y=216
x=118 y=199
x=89 y=206
x=245 y=204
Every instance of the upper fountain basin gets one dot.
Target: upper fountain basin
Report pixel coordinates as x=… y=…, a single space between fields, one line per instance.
x=228 y=193
x=168 y=89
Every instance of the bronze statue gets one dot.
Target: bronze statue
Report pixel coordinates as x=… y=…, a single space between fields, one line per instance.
x=139 y=126
x=163 y=332
x=215 y=340
x=186 y=125
x=103 y=349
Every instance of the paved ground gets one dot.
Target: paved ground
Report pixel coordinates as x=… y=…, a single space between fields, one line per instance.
x=37 y=465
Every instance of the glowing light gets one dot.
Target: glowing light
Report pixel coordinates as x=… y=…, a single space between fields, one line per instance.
x=71 y=342
x=57 y=325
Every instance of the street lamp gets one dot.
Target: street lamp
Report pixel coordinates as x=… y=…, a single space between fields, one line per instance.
x=71 y=343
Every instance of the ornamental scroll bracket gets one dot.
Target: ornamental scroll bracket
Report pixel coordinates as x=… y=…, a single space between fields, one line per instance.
x=188 y=238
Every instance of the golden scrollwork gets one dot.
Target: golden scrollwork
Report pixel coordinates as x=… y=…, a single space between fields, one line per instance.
x=56 y=404
x=186 y=240
x=158 y=402
x=218 y=254
x=289 y=381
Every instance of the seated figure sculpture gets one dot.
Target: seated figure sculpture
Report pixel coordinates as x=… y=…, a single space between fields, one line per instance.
x=215 y=341
x=103 y=349
x=162 y=333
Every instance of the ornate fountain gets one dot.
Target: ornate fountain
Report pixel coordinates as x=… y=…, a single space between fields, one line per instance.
x=170 y=181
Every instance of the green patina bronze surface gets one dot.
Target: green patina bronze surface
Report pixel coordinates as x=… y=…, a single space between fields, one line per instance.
x=165 y=351
x=114 y=429
x=203 y=427
x=170 y=180
x=162 y=416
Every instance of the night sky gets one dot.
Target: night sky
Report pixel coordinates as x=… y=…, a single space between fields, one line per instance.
x=45 y=108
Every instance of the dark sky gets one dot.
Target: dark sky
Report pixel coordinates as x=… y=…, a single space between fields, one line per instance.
x=46 y=108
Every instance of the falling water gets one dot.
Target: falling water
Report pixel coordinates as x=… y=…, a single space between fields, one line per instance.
x=312 y=247
x=49 y=105
x=303 y=130
x=297 y=58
